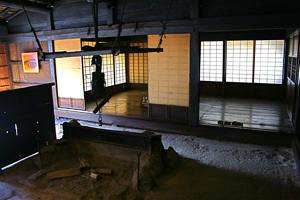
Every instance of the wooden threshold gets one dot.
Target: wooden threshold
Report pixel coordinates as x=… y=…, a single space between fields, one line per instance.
x=216 y=133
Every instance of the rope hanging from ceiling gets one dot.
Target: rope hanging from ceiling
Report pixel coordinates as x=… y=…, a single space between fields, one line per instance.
x=117 y=40
x=96 y=19
x=164 y=24
x=32 y=29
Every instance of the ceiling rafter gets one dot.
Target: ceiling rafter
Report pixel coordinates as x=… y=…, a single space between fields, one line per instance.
x=14 y=15
x=29 y=6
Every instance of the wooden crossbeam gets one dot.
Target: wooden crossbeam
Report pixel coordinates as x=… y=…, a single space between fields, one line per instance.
x=65 y=54
x=14 y=15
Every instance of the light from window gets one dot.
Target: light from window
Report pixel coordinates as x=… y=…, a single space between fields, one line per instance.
x=269 y=61
x=108 y=69
x=138 y=64
x=88 y=69
x=211 y=61
x=239 y=66
x=120 y=71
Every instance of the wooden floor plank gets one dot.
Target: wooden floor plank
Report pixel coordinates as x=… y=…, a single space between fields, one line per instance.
x=127 y=103
x=253 y=113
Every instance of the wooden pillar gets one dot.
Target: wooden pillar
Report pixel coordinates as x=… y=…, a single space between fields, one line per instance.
x=297 y=100
x=53 y=75
x=285 y=66
x=194 y=79
x=51 y=26
x=194 y=67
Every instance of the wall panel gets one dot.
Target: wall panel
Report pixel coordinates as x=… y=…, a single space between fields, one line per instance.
x=4 y=71
x=169 y=70
x=18 y=75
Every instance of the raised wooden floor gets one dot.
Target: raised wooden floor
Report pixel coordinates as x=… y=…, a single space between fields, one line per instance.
x=127 y=103
x=253 y=113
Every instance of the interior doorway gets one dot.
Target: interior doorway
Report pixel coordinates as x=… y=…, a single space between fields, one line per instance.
x=126 y=79
x=242 y=85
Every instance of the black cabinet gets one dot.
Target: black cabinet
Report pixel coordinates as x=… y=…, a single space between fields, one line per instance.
x=26 y=122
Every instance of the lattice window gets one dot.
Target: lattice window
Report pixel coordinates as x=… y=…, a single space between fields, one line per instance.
x=108 y=69
x=211 y=65
x=114 y=68
x=138 y=65
x=239 y=61
x=88 y=69
x=120 y=70
x=269 y=61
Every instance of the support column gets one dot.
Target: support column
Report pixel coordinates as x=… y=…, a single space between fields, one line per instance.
x=51 y=26
x=194 y=78
x=194 y=67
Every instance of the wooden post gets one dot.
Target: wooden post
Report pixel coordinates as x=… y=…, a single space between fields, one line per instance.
x=194 y=68
x=52 y=61
x=224 y=67
x=285 y=66
x=194 y=78
x=297 y=100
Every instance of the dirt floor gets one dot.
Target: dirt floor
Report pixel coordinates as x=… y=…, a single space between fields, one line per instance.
x=193 y=180
x=273 y=163
x=207 y=169
x=225 y=170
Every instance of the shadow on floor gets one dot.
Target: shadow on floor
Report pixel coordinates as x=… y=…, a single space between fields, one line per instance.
x=192 y=180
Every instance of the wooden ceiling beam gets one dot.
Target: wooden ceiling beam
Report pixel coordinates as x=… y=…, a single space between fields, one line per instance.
x=29 y=6
x=49 y=56
x=14 y=15
x=277 y=22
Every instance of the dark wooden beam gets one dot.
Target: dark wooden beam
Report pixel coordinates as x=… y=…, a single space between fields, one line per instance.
x=14 y=15
x=267 y=22
x=210 y=132
x=49 y=56
x=53 y=55
x=52 y=63
x=246 y=23
x=194 y=79
x=59 y=3
x=143 y=141
x=101 y=103
x=279 y=34
x=194 y=69
x=53 y=75
x=296 y=142
x=145 y=28
x=29 y=6
x=297 y=99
